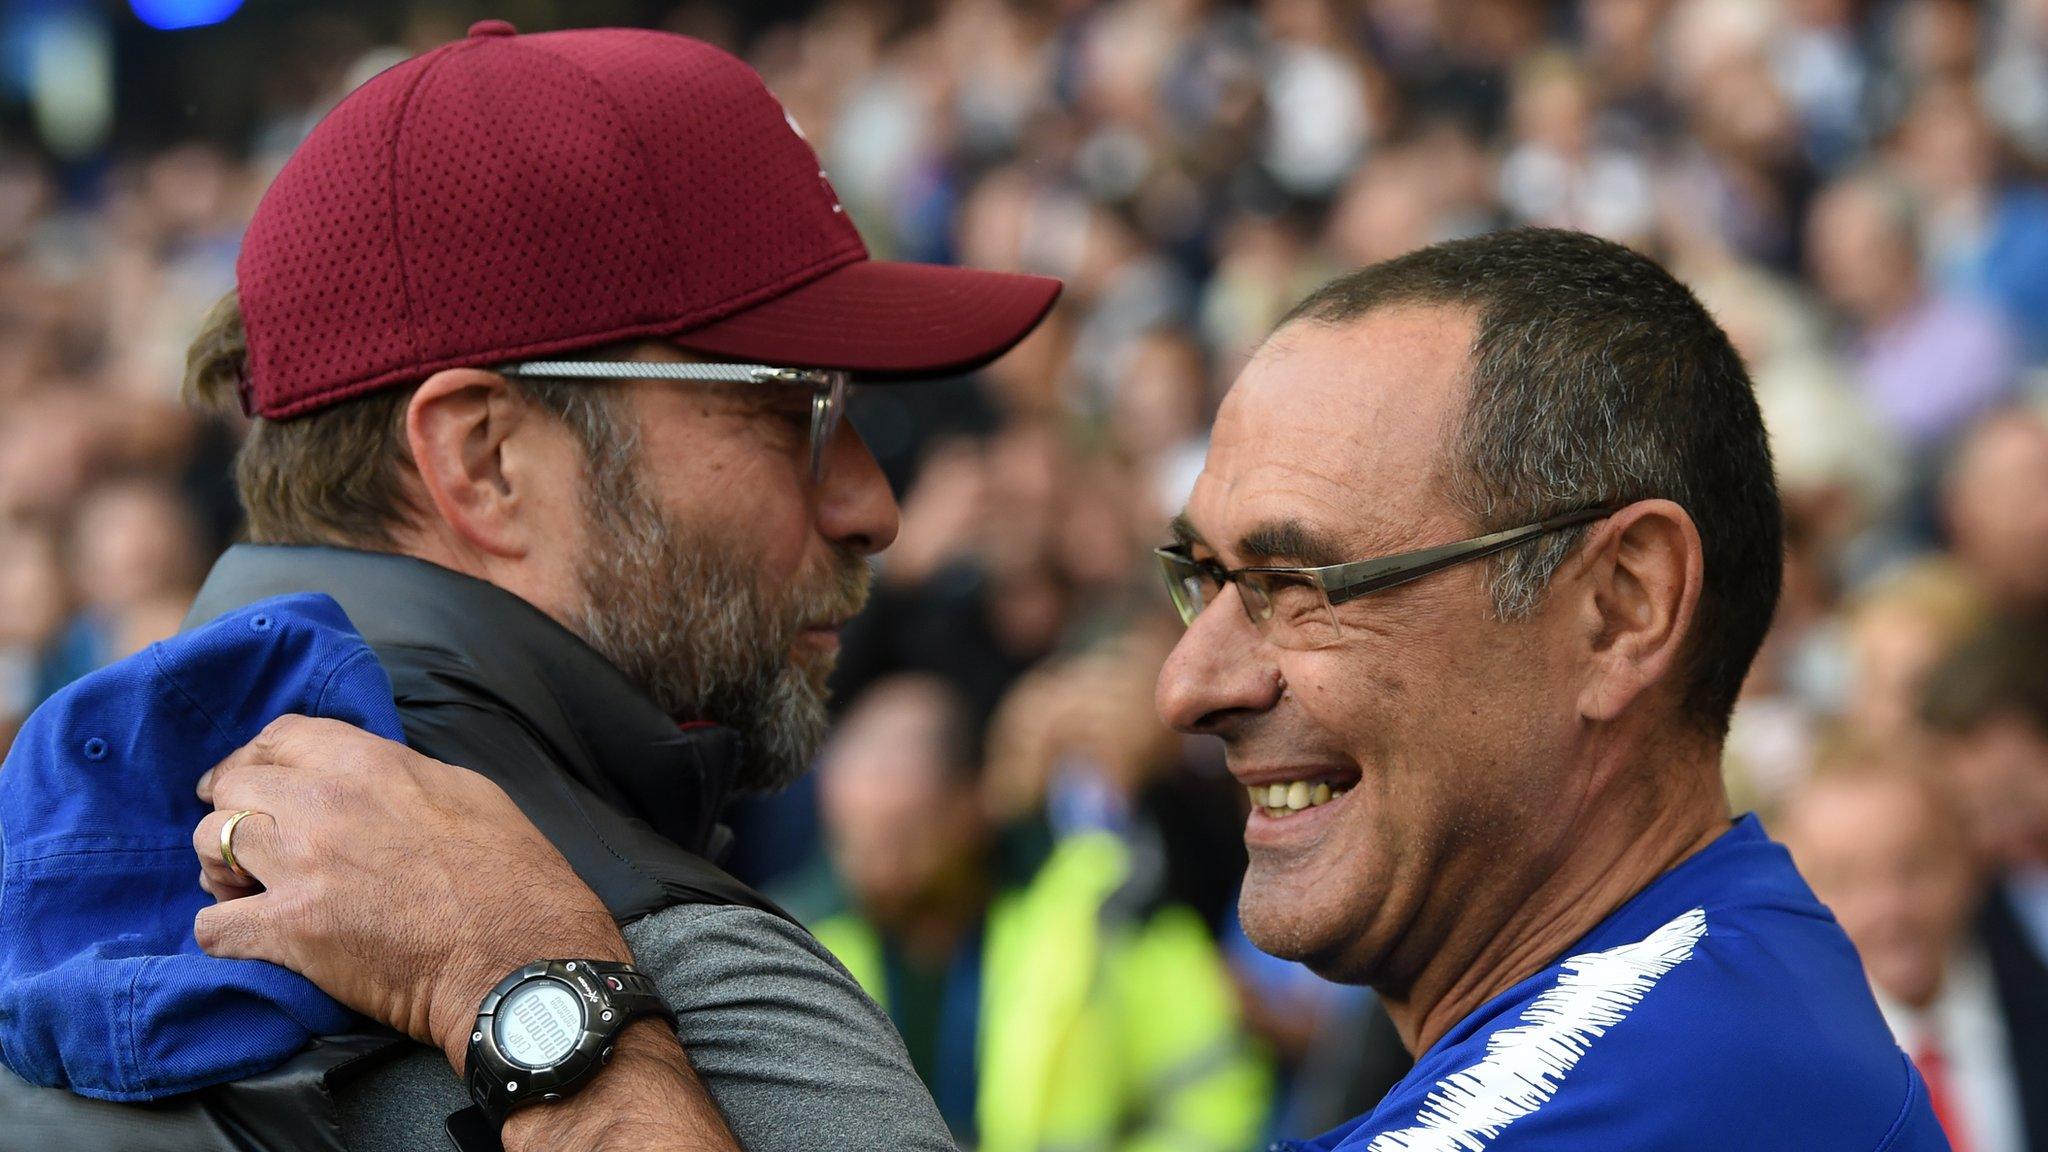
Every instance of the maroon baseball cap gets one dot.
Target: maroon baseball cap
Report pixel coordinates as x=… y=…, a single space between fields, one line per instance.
x=507 y=197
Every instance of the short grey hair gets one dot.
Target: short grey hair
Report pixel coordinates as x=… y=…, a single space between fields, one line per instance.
x=1596 y=379
x=600 y=416
x=1523 y=454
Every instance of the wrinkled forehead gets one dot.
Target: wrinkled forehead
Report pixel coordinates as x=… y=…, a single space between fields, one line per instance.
x=1341 y=429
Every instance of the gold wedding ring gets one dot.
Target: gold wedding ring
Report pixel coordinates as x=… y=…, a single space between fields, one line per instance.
x=227 y=843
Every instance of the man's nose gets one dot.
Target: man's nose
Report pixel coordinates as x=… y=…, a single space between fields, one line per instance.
x=1221 y=671
x=855 y=507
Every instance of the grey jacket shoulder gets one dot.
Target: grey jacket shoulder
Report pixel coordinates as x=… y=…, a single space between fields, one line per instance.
x=795 y=1054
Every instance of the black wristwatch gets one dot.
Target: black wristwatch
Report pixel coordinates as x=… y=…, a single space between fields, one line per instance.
x=545 y=1028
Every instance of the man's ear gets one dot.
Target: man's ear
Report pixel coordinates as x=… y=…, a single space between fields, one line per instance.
x=1645 y=569
x=462 y=426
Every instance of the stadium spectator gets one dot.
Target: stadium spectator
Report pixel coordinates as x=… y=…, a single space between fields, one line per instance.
x=1050 y=999
x=135 y=558
x=33 y=602
x=1988 y=705
x=1986 y=235
x=1897 y=629
x=1557 y=171
x=1926 y=361
x=1995 y=507
x=1885 y=850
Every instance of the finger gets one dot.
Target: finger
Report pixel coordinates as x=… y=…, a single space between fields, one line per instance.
x=254 y=778
x=255 y=848
x=214 y=779
x=260 y=787
x=296 y=741
x=272 y=772
x=277 y=744
x=239 y=930
x=226 y=890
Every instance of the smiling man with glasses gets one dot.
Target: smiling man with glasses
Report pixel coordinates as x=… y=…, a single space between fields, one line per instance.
x=1485 y=541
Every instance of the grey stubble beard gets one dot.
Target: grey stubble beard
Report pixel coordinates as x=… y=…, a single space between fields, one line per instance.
x=680 y=610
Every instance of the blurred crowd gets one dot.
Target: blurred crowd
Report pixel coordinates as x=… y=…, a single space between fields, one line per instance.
x=1853 y=186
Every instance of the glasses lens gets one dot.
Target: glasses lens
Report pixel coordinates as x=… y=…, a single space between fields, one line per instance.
x=1291 y=608
x=828 y=408
x=1189 y=583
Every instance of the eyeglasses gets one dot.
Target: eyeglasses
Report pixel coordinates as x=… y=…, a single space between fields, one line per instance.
x=1296 y=607
x=828 y=386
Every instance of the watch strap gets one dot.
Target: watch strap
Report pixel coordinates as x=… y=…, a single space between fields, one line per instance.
x=631 y=991
x=471 y=1131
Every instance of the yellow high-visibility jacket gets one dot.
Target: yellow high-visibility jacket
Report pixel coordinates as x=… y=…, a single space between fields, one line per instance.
x=1098 y=1032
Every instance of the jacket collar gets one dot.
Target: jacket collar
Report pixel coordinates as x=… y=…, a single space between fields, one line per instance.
x=498 y=645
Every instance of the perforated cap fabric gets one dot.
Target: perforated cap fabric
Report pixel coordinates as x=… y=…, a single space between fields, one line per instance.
x=511 y=196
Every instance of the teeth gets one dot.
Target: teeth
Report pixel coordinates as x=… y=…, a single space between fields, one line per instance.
x=1280 y=800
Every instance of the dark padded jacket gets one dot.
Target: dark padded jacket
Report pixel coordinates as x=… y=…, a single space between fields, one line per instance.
x=484 y=680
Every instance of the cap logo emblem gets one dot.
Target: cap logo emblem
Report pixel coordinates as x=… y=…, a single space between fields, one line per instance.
x=822 y=177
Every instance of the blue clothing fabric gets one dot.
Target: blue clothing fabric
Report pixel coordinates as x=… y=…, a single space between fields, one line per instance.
x=103 y=989
x=1720 y=1008
x=81 y=647
x=2002 y=263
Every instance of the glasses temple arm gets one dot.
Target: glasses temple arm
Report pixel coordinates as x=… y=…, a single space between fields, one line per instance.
x=1346 y=582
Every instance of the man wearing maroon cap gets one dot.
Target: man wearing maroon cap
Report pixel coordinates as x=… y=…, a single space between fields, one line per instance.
x=546 y=341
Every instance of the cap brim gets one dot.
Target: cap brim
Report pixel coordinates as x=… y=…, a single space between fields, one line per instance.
x=885 y=320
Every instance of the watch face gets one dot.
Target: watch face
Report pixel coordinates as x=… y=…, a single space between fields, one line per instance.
x=538 y=1023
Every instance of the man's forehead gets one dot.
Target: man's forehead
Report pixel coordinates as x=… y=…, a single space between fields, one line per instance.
x=657 y=351
x=1338 y=425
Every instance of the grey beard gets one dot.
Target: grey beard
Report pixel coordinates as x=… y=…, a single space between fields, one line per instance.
x=682 y=614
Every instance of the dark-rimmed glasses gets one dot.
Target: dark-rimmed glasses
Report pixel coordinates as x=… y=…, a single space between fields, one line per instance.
x=1297 y=607
x=828 y=386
